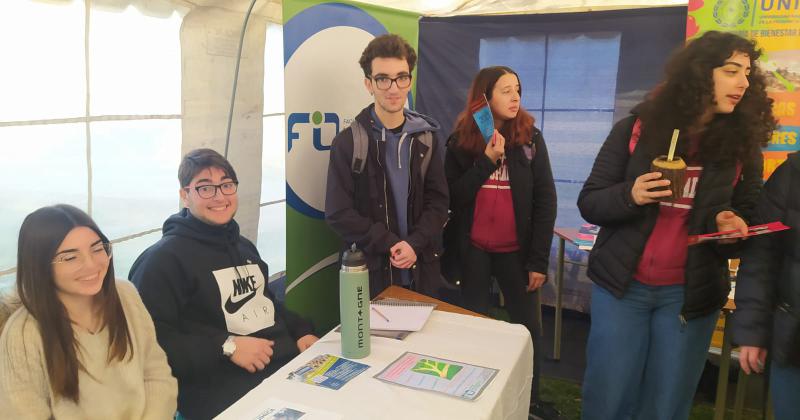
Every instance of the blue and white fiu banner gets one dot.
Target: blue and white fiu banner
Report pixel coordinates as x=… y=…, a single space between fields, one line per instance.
x=324 y=91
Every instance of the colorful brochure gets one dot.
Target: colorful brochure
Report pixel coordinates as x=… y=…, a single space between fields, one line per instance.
x=482 y=114
x=418 y=371
x=587 y=234
x=328 y=371
x=729 y=234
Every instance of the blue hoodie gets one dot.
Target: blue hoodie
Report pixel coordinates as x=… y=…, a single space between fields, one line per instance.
x=398 y=168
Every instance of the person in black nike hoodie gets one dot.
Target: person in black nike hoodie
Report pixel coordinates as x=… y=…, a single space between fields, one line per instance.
x=205 y=287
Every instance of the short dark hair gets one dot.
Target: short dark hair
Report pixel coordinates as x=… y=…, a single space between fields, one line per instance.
x=387 y=46
x=199 y=159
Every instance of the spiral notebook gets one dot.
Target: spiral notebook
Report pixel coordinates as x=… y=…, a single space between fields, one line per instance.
x=402 y=315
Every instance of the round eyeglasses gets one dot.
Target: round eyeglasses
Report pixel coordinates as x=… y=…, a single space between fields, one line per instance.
x=74 y=260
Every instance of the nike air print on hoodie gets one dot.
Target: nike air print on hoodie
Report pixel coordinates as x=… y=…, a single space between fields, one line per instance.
x=202 y=283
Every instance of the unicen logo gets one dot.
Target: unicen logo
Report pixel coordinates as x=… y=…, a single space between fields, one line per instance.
x=316 y=119
x=729 y=13
x=324 y=93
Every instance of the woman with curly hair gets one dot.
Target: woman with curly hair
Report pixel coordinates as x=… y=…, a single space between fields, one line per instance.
x=655 y=300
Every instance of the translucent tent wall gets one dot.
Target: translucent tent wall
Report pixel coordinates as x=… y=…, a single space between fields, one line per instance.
x=100 y=98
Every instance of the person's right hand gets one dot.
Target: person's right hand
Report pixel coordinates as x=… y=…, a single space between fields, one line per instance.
x=640 y=191
x=252 y=353
x=496 y=147
x=752 y=359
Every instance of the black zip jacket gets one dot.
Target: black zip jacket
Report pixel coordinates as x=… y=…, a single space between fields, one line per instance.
x=533 y=194
x=606 y=201
x=360 y=209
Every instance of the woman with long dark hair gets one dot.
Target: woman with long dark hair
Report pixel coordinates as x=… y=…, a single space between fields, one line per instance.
x=503 y=201
x=82 y=346
x=656 y=300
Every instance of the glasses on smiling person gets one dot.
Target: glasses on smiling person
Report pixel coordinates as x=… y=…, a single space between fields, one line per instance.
x=74 y=260
x=385 y=82
x=210 y=190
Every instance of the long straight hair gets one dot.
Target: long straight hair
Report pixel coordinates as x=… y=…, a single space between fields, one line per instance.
x=517 y=130
x=41 y=234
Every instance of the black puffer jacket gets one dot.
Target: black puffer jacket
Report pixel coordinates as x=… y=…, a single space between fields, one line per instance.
x=606 y=201
x=768 y=284
x=532 y=190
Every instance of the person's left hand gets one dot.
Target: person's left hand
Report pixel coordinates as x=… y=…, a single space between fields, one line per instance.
x=535 y=280
x=752 y=359
x=402 y=255
x=306 y=341
x=728 y=220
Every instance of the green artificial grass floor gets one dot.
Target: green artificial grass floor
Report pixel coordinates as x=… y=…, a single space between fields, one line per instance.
x=566 y=396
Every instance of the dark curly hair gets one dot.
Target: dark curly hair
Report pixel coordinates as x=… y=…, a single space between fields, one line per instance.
x=387 y=46
x=688 y=90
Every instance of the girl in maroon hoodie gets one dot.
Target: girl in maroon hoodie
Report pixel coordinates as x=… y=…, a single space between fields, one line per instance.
x=503 y=201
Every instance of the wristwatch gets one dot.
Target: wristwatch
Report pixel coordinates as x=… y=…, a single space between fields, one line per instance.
x=229 y=346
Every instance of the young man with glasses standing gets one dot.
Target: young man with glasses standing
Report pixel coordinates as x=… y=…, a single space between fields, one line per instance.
x=206 y=288
x=393 y=205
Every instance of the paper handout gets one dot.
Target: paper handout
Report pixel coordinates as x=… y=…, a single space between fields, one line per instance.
x=730 y=234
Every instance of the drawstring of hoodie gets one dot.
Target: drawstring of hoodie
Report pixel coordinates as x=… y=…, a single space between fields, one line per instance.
x=399 y=146
x=235 y=257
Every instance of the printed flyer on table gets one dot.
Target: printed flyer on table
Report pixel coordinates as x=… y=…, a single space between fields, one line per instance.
x=461 y=380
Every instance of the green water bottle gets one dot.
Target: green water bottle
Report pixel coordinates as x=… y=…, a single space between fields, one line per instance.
x=354 y=304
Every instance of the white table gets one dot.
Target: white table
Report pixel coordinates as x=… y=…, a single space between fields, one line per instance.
x=462 y=338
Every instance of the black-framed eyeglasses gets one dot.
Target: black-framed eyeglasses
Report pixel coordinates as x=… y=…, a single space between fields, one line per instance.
x=385 y=83
x=210 y=190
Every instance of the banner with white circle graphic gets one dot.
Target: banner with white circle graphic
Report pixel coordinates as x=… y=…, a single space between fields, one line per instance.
x=324 y=91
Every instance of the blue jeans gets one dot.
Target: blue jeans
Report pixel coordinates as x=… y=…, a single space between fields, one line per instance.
x=642 y=362
x=784 y=383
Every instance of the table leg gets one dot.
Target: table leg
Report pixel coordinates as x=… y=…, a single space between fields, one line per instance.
x=770 y=412
x=559 y=293
x=539 y=309
x=741 y=388
x=724 y=367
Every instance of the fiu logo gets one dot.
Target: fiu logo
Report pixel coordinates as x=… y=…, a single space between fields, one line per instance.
x=317 y=120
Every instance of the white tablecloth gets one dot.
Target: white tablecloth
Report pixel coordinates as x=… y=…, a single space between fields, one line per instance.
x=462 y=338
